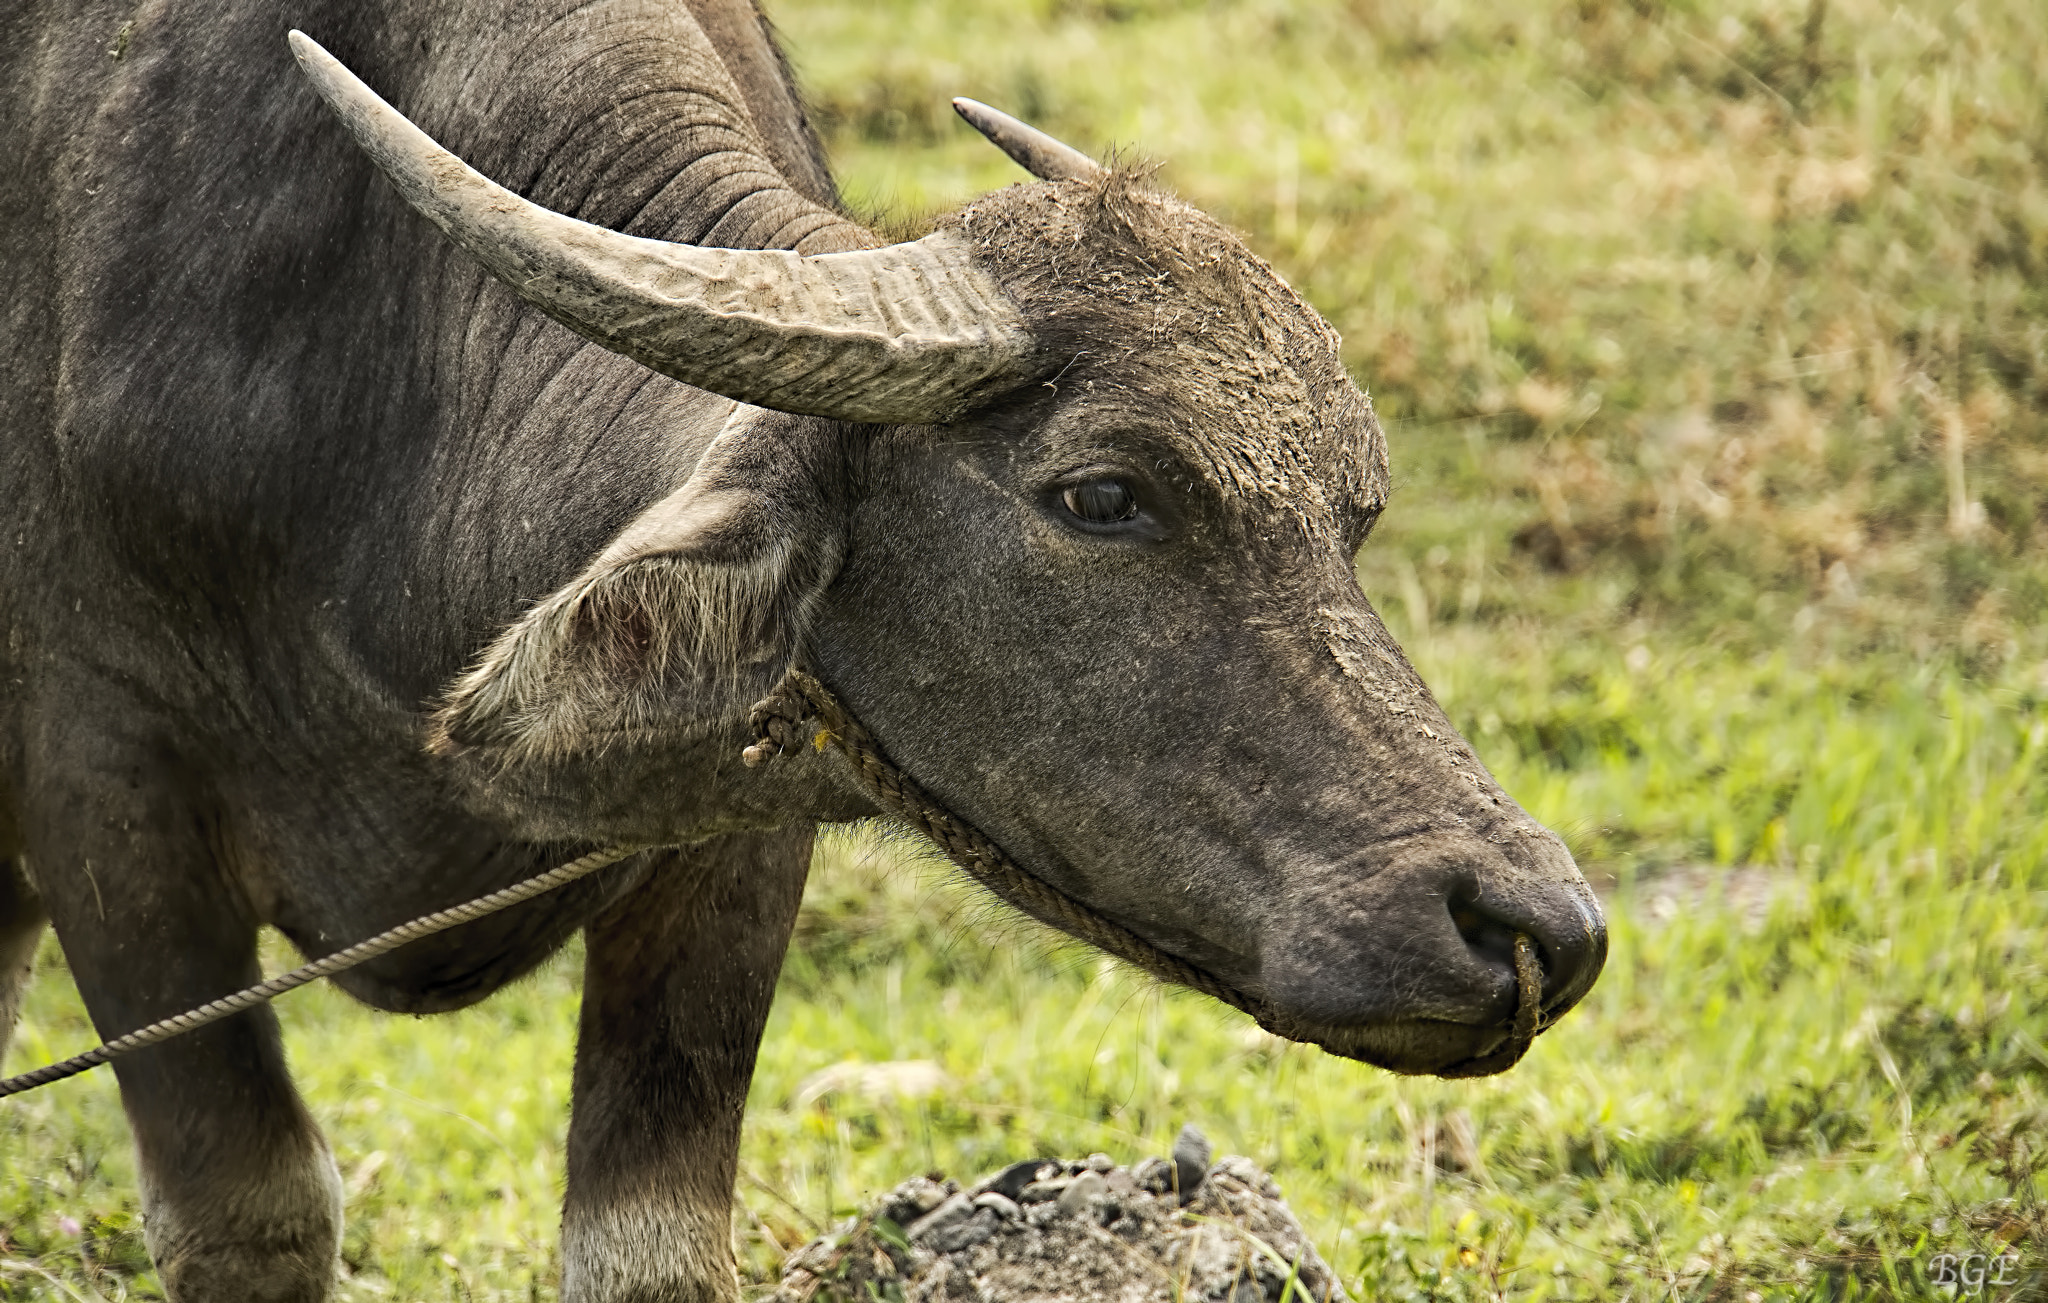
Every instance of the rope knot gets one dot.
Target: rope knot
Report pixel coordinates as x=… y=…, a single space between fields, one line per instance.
x=778 y=724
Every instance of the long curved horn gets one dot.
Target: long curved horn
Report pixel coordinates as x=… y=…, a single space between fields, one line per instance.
x=1035 y=152
x=907 y=333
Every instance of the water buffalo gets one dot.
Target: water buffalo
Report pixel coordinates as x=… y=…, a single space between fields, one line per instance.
x=349 y=571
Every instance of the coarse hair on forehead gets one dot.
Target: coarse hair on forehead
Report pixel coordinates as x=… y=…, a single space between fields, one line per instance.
x=1121 y=282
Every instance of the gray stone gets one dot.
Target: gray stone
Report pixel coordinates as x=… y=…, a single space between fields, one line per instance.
x=914 y=1198
x=1010 y=1182
x=1083 y=1190
x=957 y=1235
x=1191 y=1155
x=1044 y=1191
x=1154 y=1175
x=952 y=1210
x=998 y=1205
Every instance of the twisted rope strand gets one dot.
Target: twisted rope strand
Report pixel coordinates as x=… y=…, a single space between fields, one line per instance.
x=339 y=961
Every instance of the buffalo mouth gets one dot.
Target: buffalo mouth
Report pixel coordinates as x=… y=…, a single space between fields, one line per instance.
x=1412 y=1046
x=1474 y=1033
x=1420 y=1047
x=1525 y=1004
x=1441 y=1047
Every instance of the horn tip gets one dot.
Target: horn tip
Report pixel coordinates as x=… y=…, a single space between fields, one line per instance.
x=315 y=61
x=988 y=121
x=330 y=77
x=1031 y=149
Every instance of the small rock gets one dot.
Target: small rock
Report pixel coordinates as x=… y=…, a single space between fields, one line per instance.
x=914 y=1198
x=1191 y=1154
x=1154 y=1175
x=1044 y=1191
x=1100 y=1163
x=1010 y=1182
x=1244 y=1169
x=1082 y=1191
x=958 y=1235
x=952 y=1210
x=1003 y=1208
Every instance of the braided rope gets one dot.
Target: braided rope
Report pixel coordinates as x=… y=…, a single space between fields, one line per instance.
x=778 y=723
x=339 y=961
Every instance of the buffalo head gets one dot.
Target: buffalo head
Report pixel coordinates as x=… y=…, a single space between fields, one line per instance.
x=1062 y=500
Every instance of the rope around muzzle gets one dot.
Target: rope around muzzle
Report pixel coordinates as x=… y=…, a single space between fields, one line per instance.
x=338 y=962
x=1528 y=1017
x=779 y=722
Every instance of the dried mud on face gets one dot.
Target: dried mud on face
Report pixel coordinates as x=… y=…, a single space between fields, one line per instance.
x=1060 y=1231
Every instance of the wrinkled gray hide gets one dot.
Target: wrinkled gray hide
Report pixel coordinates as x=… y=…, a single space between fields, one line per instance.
x=339 y=583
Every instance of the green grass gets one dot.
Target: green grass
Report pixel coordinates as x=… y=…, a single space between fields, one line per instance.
x=1712 y=345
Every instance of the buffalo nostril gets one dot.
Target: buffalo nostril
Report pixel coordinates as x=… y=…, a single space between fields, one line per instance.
x=1490 y=938
x=1571 y=951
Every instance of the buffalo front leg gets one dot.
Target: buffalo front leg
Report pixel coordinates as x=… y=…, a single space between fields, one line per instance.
x=240 y=1198
x=21 y=925
x=678 y=979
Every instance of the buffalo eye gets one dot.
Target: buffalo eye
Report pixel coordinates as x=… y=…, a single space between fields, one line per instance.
x=1101 y=502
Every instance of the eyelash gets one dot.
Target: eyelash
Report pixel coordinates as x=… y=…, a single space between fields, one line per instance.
x=1100 y=502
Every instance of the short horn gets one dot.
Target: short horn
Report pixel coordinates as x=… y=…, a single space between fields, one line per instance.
x=1034 y=151
x=908 y=333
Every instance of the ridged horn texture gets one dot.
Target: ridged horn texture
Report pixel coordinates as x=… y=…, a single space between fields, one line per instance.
x=909 y=333
x=1034 y=151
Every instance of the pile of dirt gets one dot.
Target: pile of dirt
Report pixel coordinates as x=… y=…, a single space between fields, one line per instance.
x=1059 y=1231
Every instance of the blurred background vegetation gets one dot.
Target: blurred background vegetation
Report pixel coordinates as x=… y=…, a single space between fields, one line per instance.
x=1712 y=348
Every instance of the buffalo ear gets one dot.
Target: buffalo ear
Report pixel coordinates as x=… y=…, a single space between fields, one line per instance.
x=690 y=616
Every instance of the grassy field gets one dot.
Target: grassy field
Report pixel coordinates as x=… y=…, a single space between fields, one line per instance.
x=1804 y=1092
x=1713 y=349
